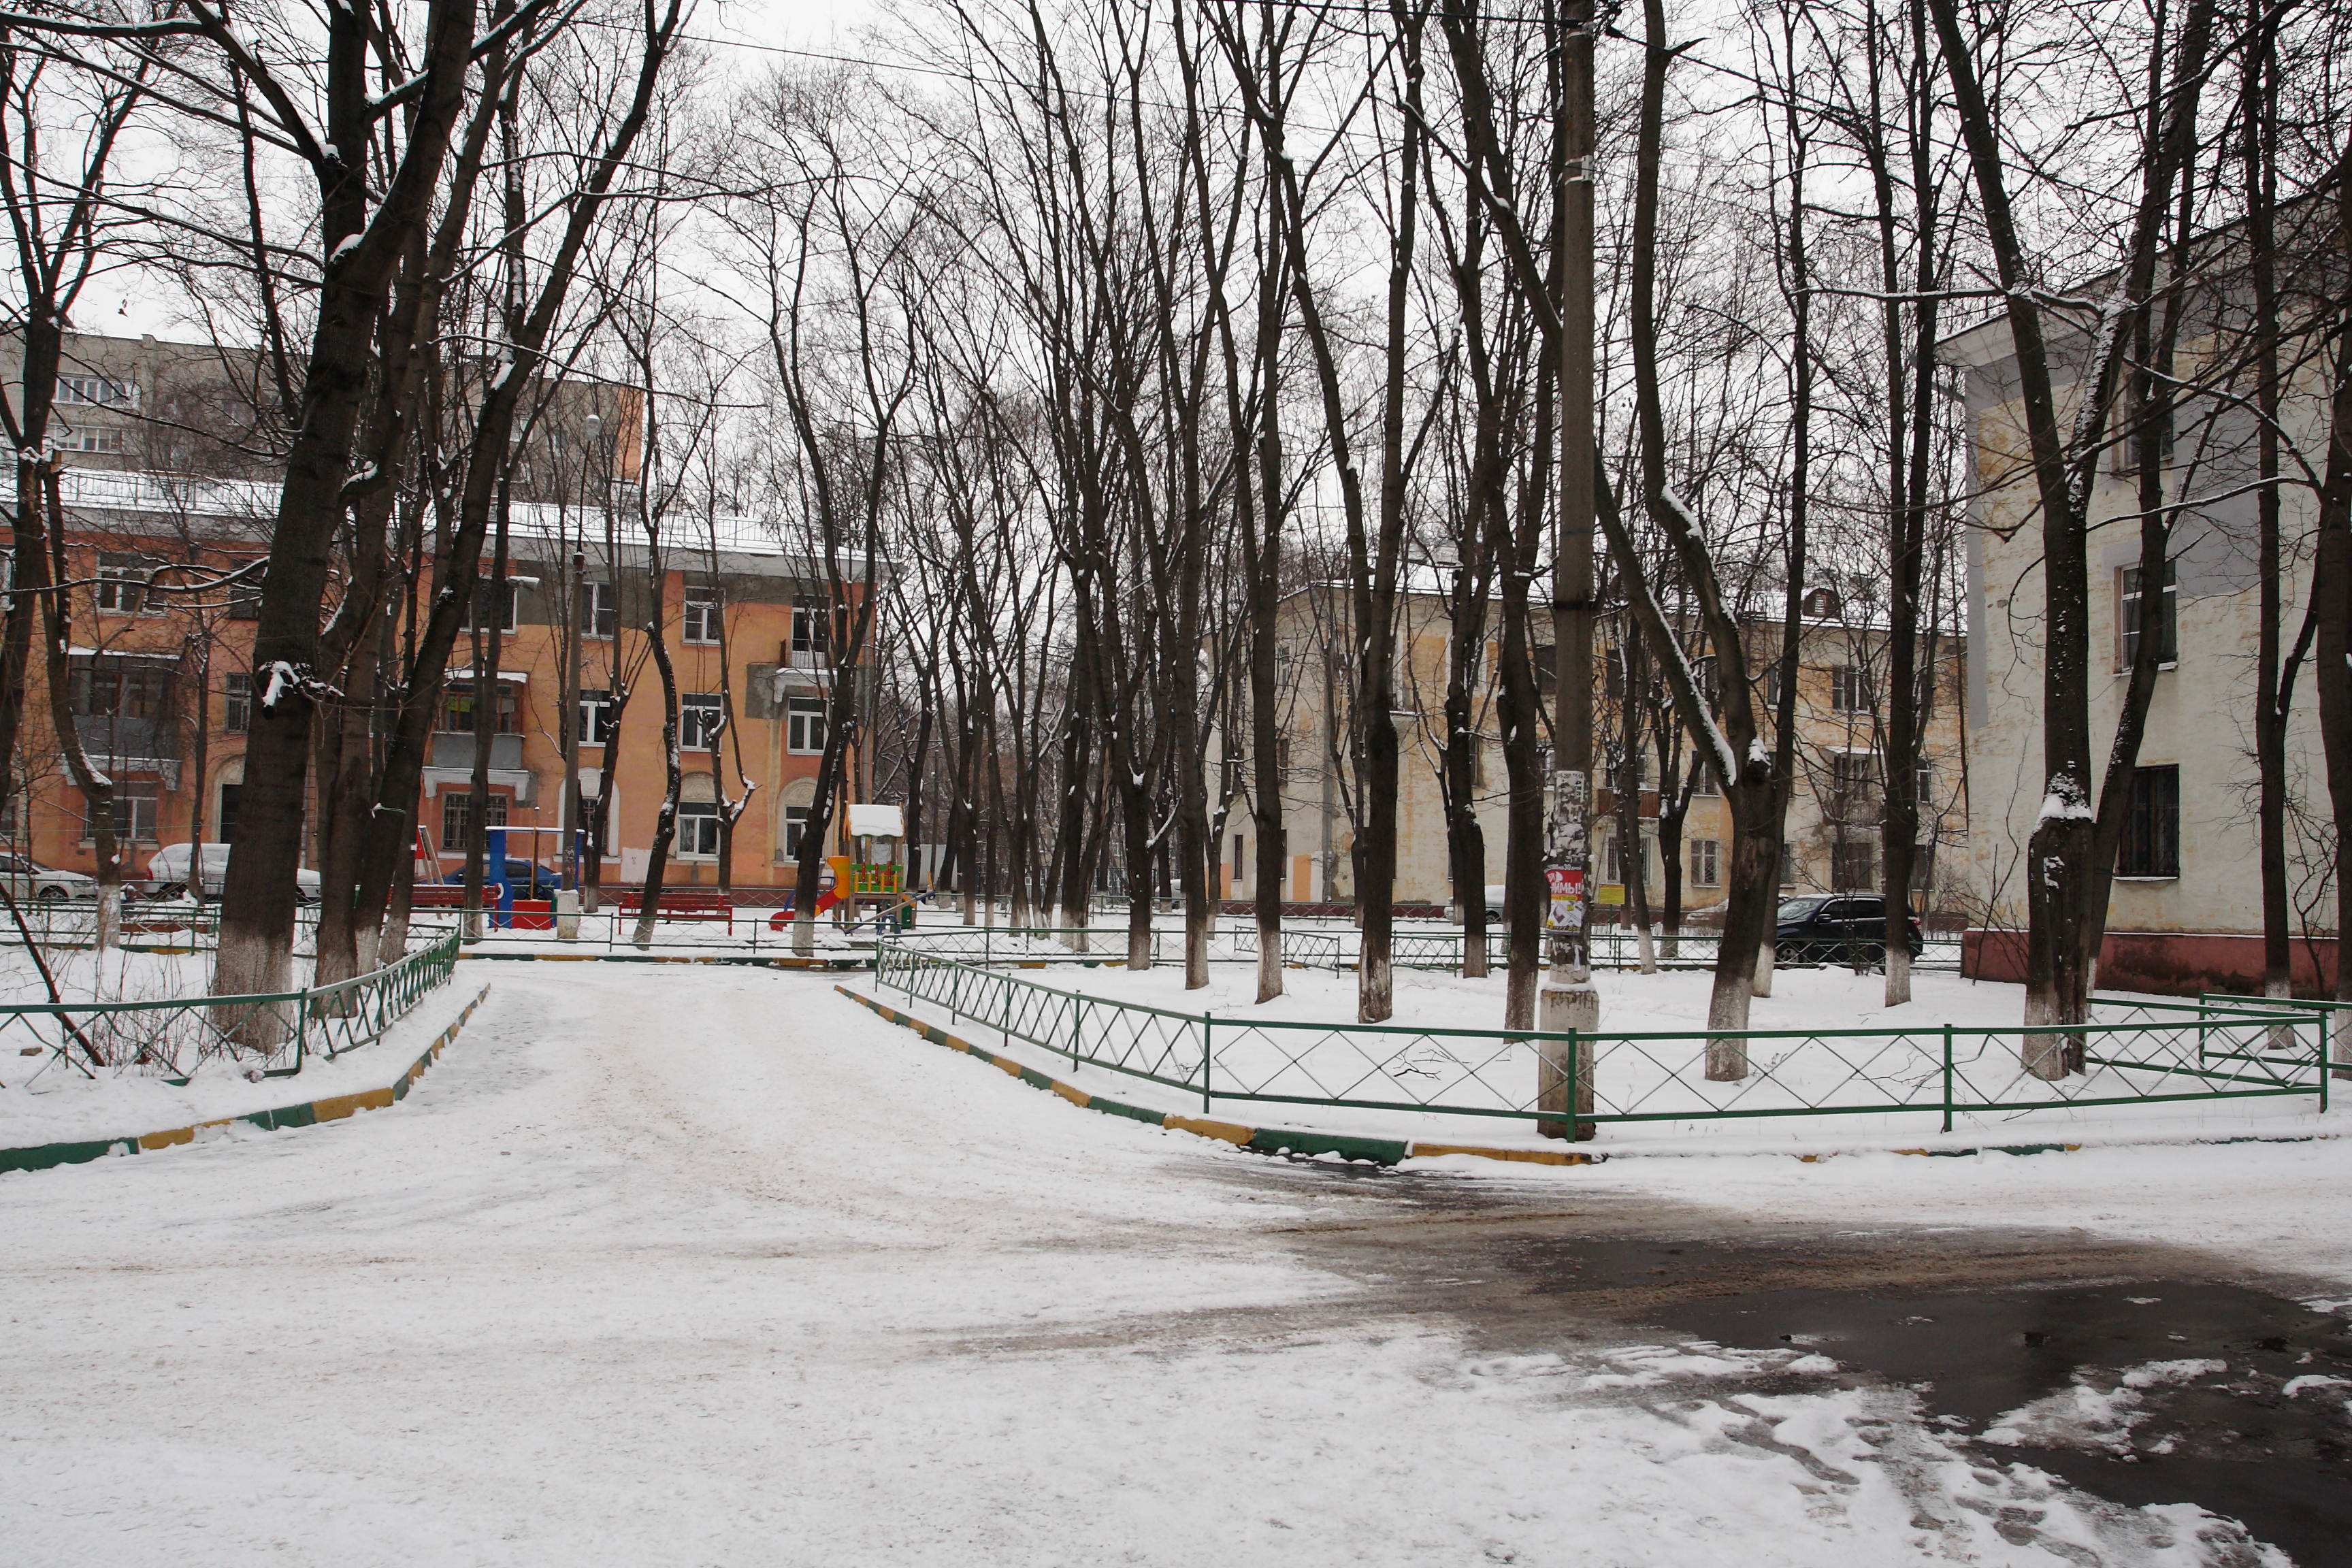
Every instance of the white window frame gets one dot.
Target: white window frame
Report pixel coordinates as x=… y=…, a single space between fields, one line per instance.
x=600 y=617
x=698 y=619
x=812 y=645
x=1706 y=862
x=698 y=813
x=595 y=716
x=799 y=730
x=701 y=720
x=121 y=588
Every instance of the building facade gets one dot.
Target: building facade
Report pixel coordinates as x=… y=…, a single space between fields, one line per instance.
x=161 y=691
x=1833 y=829
x=2185 y=913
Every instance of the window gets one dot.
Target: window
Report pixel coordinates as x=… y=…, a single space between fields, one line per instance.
x=2128 y=612
x=599 y=609
x=481 y=605
x=104 y=687
x=1923 y=866
x=1854 y=864
x=123 y=586
x=1614 y=861
x=1853 y=787
x=700 y=720
x=134 y=811
x=804 y=725
x=1770 y=685
x=1240 y=865
x=1708 y=781
x=596 y=719
x=1788 y=864
x=795 y=822
x=458 y=709
x=91 y=438
x=1847 y=693
x=1706 y=862
x=1923 y=786
x=697 y=828
x=701 y=616
x=810 y=643
x=457 y=816
x=96 y=392
x=236 y=704
x=1820 y=604
x=227 y=831
x=2151 y=846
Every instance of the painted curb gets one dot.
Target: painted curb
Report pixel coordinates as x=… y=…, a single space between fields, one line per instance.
x=1392 y=1150
x=333 y=1108
x=1262 y=1140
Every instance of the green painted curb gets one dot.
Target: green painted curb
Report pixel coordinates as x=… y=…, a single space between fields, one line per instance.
x=737 y=959
x=310 y=1113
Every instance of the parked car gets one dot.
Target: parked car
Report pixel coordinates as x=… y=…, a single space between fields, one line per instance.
x=167 y=874
x=28 y=878
x=1836 y=928
x=528 y=879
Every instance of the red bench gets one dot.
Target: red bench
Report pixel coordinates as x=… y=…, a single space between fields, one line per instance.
x=682 y=904
x=439 y=896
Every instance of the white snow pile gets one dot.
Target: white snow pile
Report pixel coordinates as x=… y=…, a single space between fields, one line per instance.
x=2087 y=1416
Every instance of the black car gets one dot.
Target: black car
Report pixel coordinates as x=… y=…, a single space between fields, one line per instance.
x=1836 y=928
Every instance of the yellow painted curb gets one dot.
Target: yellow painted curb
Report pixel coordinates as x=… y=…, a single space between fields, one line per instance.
x=1525 y=1156
x=1227 y=1132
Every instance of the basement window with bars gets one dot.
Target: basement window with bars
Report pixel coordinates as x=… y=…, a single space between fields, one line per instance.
x=2151 y=846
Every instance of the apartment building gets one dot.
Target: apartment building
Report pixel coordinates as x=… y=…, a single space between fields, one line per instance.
x=161 y=692
x=1834 y=821
x=2185 y=913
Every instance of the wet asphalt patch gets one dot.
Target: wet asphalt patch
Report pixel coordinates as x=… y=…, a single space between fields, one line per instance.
x=2139 y=1373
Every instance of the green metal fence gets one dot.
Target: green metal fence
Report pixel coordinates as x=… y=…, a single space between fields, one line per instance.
x=268 y=1034
x=2132 y=1053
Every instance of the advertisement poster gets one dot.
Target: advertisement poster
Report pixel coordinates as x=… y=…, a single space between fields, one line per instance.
x=1567 y=897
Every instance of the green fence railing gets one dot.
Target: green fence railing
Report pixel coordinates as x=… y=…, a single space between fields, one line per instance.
x=2132 y=1053
x=271 y=1035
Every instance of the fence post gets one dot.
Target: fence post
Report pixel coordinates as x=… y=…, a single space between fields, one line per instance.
x=1947 y=1077
x=1208 y=1056
x=1077 y=1025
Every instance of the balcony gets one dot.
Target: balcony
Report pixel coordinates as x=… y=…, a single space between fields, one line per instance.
x=451 y=764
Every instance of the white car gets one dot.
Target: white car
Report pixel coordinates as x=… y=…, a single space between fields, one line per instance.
x=28 y=878
x=167 y=874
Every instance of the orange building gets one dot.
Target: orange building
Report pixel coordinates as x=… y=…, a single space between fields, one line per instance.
x=162 y=695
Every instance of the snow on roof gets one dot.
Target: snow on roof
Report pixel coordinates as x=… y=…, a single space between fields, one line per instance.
x=876 y=822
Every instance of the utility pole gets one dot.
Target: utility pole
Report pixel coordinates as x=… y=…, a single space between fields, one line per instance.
x=1568 y=1001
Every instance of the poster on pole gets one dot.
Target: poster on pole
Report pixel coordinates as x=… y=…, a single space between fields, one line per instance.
x=1567 y=912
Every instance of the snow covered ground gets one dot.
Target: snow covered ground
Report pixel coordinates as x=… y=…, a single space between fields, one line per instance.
x=711 y=1267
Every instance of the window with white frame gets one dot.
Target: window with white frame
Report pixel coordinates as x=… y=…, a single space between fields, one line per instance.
x=698 y=829
x=135 y=804
x=811 y=627
x=701 y=622
x=1706 y=862
x=2128 y=613
x=1848 y=693
x=700 y=717
x=795 y=824
x=599 y=609
x=91 y=439
x=804 y=725
x=96 y=392
x=596 y=721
